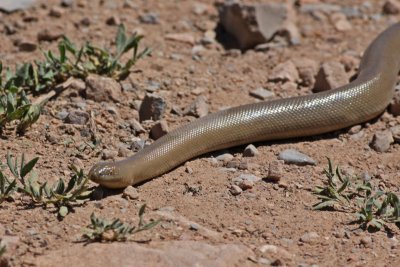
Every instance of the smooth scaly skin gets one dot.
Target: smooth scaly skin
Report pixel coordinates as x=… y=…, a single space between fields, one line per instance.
x=359 y=101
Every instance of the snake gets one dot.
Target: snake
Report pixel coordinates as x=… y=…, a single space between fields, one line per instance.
x=364 y=98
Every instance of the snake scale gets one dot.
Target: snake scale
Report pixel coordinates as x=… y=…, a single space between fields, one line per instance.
x=361 y=100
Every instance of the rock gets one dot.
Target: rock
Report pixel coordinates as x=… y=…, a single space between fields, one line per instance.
x=307 y=69
x=199 y=108
x=162 y=254
x=181 y=37
x=137 y=145
x=200 y=8
x=62 y=114
x=153 y=86
x=130 y=192
x=284 y=72
x=365 y=176
x=225 y=157
x=159 y=129
x=152 y=108
x=331 y=75
x=67 y=3
x=256 y=24
x=113 y=20
x=77 y=117
x=123 y=151
x=149 y=18
x=109 y=154
x=395 y=130
x=391 y=7
x=100 y=89
x=56 y=12
x=321 y=7
x=250 y=151
x=274 y=171
x=246 y=184
x=246 y=177
x=27 y=46
x=394 y=107
x=13 y=5
x=292 y=156
x=49 y=35
x=136 y=127
x=262 y=93
x=366 y=241
x=355 y=129
x=310 y=238
x=235 y=190
x=340 y=22
x=382 y=140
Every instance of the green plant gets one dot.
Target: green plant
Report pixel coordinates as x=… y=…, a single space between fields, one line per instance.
x=41 y=76
x=63 y=196
x=372 y=208
x=2 y=250
x=103 y=230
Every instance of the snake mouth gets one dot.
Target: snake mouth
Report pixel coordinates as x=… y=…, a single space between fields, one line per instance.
x=106 y=174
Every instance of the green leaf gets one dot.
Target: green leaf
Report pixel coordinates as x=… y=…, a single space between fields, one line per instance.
x=324 y=204
x=63 y=211
x=28 y=167
x=11 y=165
x=120 y=40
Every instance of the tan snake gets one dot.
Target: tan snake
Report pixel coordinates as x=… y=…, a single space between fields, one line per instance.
x=359 y=101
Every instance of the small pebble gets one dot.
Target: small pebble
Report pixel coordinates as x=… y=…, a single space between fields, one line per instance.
x=246 y=177
x=109 y=154
x=391 y=7
x=250 y=151
x=27 y=46
x=310 y=238
x=159 y=129
x=199 y=108
x=355 y=129
x=284 y=72
x=292 y=156
x=275 y=171
x=225 y=157
x=77 y=117
x=246 y=184
x=113 y=20
x=152 y=108
x=56 y=12
x=261 y=93
x=396 y=132
x=149 y=18
x=331 y=75
x=382 y=140
x=235 y=190
x=366 y=241
x=130 y=192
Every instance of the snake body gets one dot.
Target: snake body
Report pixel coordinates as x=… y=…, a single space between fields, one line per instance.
x=361 y=100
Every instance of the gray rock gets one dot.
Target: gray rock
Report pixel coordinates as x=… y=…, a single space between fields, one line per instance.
x=100 y=89
x=250 y=151
x=77 y=117
x=246 y=177
x=162 y=254
x=109 y=154
x=395 y=130
x=159 y=129
x=355 y=129
x=331 y=75
x=199 y=108
x=255 y=24
x=321 y=7
x=352 y=12
x=391 y=7
x=310 y=238
x=152 y=108
x=262 y=93
x=292 y=156
x=130 y=192
x=27 y=46
x=225 y=157
x=235 y=190
x=274 y=171
x=62 y=114
x=284 y=72
x=365 y=176
x=67 y=3
x=149 y=18
x=153 y=86
x=138 y=145
x=382 y=140
x=14 y=5
x=394 y=107
x=136 y=127
x=307 y=69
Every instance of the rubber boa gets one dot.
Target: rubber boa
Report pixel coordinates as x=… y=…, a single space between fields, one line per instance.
x=361 y=100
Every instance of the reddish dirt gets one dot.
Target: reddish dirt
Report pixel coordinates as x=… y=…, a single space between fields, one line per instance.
x=269 y=213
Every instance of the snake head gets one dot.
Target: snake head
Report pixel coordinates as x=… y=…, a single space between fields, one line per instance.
x=107 y=174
